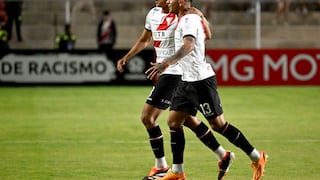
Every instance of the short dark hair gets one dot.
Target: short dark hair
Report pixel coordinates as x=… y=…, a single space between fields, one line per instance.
x=67 y=26
x=106 y=13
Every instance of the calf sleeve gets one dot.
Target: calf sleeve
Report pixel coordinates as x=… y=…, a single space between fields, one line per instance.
x=156 y=141
x=236 y=137
x=177 y=144
x=205 y=135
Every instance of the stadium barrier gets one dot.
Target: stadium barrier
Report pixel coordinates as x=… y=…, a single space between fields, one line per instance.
x=243 y=67
x=34 y=67
x=266 y=67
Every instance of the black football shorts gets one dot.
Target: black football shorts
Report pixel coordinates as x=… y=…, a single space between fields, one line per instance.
x=161 y=93
x=200 y=95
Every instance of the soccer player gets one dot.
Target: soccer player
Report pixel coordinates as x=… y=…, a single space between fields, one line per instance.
x=160 y=27
x=197 y=91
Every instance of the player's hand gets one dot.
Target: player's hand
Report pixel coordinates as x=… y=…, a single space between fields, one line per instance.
x=121 y=62
x=155 y=70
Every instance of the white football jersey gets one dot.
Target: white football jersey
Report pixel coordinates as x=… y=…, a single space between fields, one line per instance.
x=162 y=26
x=194 y=65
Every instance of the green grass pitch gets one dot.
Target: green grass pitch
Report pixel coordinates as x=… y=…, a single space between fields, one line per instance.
x=95 y=133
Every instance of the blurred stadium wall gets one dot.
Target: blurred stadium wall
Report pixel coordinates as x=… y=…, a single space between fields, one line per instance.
x=233 y=23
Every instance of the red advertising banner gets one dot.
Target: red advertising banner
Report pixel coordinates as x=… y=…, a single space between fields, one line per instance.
x=266 y=67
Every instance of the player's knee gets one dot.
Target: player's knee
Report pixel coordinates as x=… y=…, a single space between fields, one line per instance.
x=191 y=122
x=175 y=124
x=148 y=121
x=217 y=123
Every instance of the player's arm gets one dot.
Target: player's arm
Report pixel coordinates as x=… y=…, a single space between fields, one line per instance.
x=205 y=22
x=143 y=41
x=185 y=49
x=207 y=29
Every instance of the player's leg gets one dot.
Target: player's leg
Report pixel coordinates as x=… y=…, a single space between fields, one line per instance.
x=158 y=100
x=175 y=123
x=233 y=134
x=210 y=107
x=183 y=111
x=207 y=138
x=149 y=119
x=236 y=137
x=205 y=135
x=179 y=112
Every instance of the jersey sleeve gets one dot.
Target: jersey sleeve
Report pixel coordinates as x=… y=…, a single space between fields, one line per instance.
x=190 y=24
x=147 y=25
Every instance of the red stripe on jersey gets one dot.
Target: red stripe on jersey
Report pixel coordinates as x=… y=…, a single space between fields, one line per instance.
x=156 y=43
x=166 y=23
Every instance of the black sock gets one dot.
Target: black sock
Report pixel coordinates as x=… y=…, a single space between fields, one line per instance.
x=205 y=135
x=236 y=137
x=156 y=141
x=177 y=144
